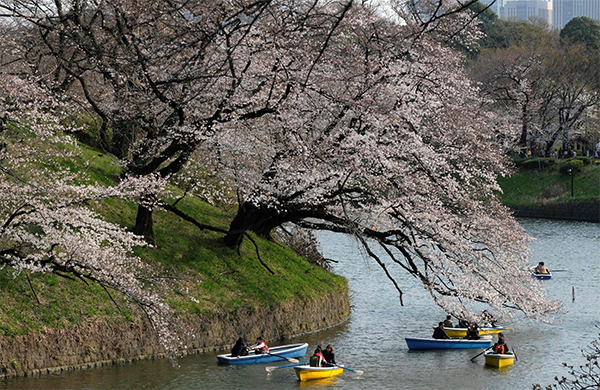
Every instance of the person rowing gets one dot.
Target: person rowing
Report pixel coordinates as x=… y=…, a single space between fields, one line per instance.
x=260 y=346
x=501 y=347
x=541 y=269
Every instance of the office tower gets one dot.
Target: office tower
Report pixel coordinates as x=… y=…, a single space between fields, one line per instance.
x=528 y=10
x=565 y=10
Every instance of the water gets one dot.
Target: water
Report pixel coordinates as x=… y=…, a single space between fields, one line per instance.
x=372 y=339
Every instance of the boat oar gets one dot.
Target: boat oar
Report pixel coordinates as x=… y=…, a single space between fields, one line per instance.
x=283 y=357
x=271 y=368
x=479 y=354
x=559 y=270
x=515 y=353
x=359 y=372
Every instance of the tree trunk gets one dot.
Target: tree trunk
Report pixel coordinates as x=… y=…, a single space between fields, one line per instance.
x=250 y=217
x=144 y=225
x=524 y=129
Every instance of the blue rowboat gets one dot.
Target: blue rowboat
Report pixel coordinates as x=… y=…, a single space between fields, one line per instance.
x=542 y=276
x=416 y=343
x=275 y=354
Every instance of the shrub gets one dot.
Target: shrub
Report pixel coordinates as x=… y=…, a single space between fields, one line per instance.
x=576 y=164
x=535 y=163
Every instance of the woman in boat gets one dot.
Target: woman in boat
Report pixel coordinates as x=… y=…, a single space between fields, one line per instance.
x=501 y=347
x=239 y=349
x=328 y=354
x=260 y=347
x=317 y=359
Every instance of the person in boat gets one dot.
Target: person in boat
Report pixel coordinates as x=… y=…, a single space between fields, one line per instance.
x=328 y=354
x=487 y=319
x=439 y=332
x=448 y=322
x=239 y=349
x=472 y=332
x=501 y=347
x=260 y=347
x=462 y=323
x=541 y=268
x=317 y=359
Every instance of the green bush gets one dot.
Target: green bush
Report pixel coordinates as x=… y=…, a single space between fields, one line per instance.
x=535 y=163
x=576 y=164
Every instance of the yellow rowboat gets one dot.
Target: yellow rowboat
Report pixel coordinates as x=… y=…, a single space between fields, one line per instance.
x=306 y=373
x=498 y=360
x=462 y=332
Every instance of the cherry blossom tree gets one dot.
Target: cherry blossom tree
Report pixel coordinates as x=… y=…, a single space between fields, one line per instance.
x=162 y=77
x=46 y=224
x=395 y=149
x=324 y=114
x=514 y=80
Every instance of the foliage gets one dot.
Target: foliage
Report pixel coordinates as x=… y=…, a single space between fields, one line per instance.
x=573 y=164
x=583 y=30
x=549 y=93
x=270 y=95
x=535 y=163
x=531 y=187
x=397 y=141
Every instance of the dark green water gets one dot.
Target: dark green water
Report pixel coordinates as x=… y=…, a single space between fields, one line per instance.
x=372 y=339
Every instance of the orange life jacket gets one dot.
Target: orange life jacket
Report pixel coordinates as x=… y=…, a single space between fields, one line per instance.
x=500 y=349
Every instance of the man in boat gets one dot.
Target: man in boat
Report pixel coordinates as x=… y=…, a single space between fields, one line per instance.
x=501 y=347
x=448 y=322
x=472 y=332
x=260 y=347
x=239 y=349
x=439 y=332
x=541 y=268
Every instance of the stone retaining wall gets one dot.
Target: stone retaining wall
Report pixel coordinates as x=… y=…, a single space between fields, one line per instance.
x=99 y=342
x=577 y=211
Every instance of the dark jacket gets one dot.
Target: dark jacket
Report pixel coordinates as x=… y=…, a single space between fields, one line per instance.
x=239 y=349
x=472 y=334
x=330 y=357
x=439 y=333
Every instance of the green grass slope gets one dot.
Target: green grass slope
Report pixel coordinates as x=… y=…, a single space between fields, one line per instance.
x=201 y=274
x=542 y=181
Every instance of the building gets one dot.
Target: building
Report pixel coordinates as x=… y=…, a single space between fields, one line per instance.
x=528 y=10
x=496 y=6
x=565 y=10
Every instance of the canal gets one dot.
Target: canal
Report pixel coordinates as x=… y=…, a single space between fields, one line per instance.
x=372 y=339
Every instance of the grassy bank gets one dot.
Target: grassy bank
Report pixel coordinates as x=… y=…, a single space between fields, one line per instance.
x=198 y=275
x=542 y=181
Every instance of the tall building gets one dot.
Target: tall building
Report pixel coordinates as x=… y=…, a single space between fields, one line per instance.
x=496 y=6
x=565 y=10
x=528 y=9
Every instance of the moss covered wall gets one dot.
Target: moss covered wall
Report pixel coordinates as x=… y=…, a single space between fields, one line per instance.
x=98 y=342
